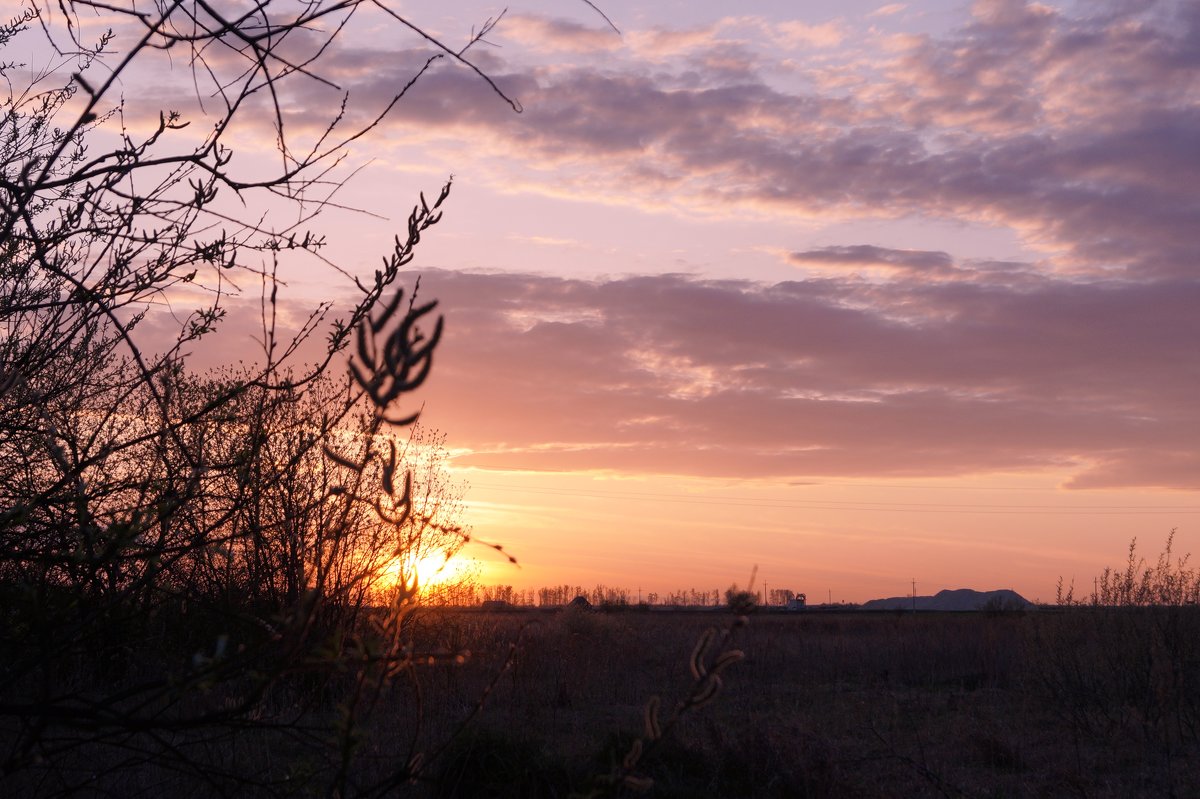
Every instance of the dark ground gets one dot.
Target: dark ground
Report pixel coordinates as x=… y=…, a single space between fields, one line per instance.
x=1077 y=702
x=1050 y=703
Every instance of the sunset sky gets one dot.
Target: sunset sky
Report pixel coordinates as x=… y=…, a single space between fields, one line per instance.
x=860 y=293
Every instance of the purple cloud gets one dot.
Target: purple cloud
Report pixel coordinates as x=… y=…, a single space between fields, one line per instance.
x=1076 y=131
x=668 y=374
x=865 y=255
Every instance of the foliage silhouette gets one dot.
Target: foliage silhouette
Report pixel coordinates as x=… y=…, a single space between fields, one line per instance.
x=209 y=580
x=198 y=570
x=1120 y=664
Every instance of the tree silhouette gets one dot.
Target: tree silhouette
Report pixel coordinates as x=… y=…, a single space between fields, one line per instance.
x=191 y=564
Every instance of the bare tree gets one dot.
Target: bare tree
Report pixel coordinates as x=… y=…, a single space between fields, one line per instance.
x=184 y=558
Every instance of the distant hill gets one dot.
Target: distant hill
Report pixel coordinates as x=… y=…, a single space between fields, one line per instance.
x=958 y=599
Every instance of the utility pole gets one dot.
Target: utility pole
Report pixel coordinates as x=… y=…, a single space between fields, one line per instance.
x=914 y=594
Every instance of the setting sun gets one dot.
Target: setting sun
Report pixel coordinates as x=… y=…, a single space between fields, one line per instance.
x=432 y=570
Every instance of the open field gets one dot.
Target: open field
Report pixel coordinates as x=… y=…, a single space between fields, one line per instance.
x=1053 y=703
x=1078 y=702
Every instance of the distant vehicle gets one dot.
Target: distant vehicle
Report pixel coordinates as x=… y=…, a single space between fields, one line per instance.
x=798 y=602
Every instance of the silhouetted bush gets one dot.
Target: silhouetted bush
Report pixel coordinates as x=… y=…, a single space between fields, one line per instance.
x=1123 y=665
x=208 y=579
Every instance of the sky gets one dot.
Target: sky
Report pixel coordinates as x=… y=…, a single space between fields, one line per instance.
x=856 y=293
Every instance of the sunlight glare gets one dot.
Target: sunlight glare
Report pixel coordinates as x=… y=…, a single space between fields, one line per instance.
x=432 y=570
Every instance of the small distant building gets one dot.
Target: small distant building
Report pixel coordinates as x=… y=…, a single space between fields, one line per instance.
x=496 y=604
x=798 y=602
x=580 y=603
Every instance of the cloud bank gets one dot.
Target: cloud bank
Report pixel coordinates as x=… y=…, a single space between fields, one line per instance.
x=679 y=375
x=1077 y=130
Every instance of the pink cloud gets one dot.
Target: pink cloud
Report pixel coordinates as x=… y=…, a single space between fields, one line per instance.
x=668 y=374
x=870 y=257
x=549 y=34
x=966 y=126
x=1075 y=130
x=661 y=43
x=799 y=34
x=824 y=377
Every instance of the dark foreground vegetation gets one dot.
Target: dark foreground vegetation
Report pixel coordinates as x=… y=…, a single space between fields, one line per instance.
x=1065 y=702
x=1057 y=702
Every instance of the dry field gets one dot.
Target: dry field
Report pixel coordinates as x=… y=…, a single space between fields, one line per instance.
x=1071 y=702
x=1050 y=703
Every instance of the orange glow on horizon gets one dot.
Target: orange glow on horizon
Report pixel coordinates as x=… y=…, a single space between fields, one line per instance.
x=840 y=538
x=431 y=570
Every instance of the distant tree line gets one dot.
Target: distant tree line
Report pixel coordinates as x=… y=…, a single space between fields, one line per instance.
x=467 y=594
